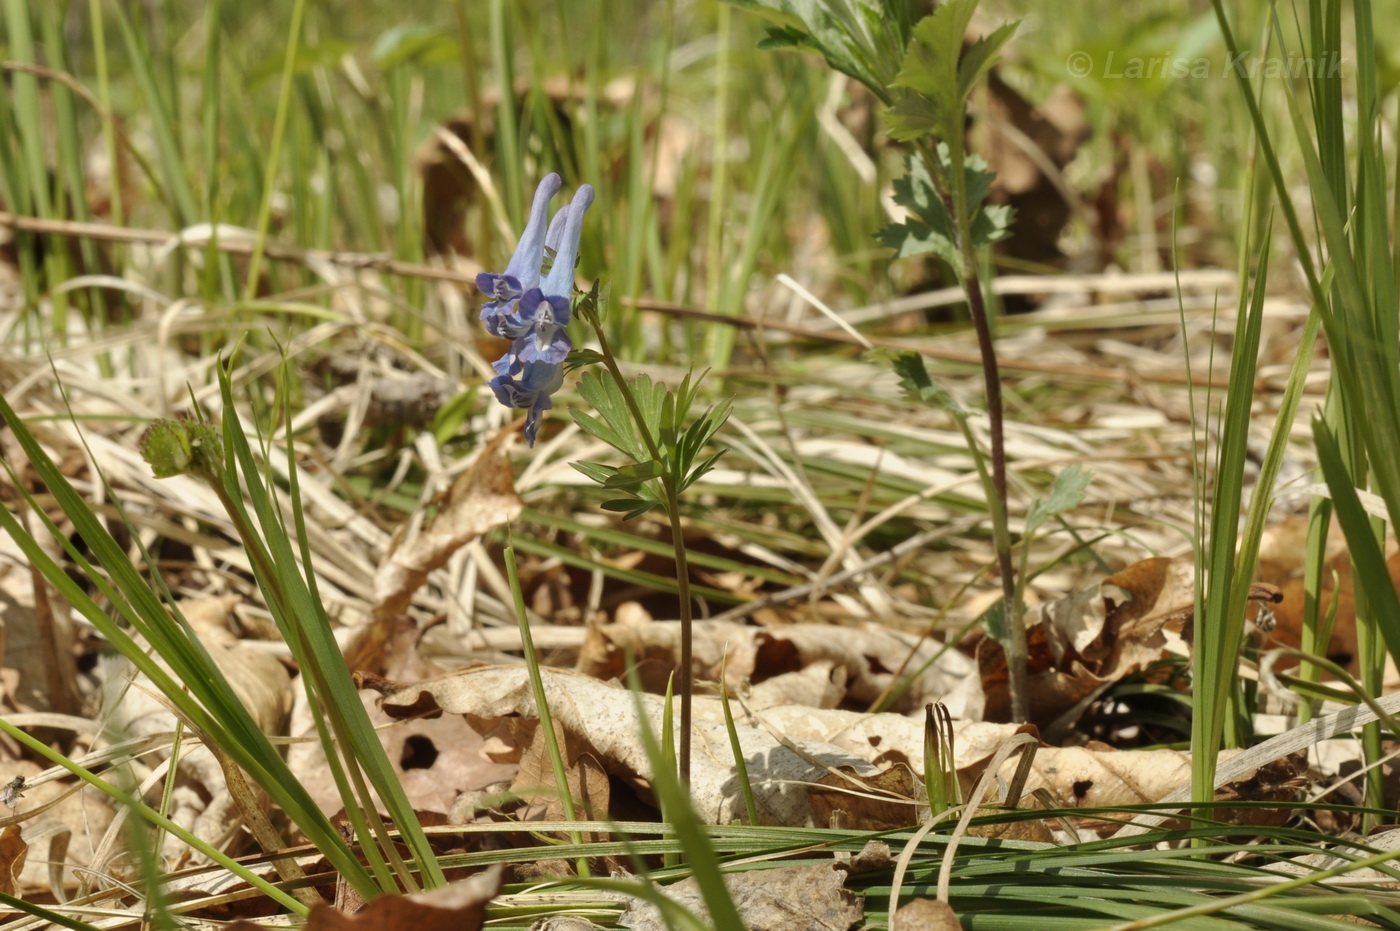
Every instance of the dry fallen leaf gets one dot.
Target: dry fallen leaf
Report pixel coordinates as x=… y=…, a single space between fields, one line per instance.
x=786 y=749
x=788 y=898
x=832 y=664
x=460 y=906
x=203 y=803
x=881 y=801
x=588 y=781
x=482 y=499
x=13 y=851
x=926 y=915
x=1098 y=635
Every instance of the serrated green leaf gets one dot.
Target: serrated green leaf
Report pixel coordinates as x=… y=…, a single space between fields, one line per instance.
x=860 y=38
x=786 y=37
x=913 y=238
x=1065 y=493
x=979 y=57
x=913 y=116
x=941 y=74
x=930 y=69
x=918 y=384
x=992 y=224
x=931 y=228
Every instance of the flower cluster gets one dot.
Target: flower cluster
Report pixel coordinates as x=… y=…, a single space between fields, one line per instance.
x=533 y=312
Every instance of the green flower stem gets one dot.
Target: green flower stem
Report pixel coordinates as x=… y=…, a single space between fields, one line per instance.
x=671 y=501
x=953 y=189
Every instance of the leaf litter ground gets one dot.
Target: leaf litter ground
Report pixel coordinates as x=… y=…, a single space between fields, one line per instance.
x=839 y=545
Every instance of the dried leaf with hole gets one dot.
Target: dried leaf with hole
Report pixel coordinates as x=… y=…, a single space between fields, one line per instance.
x=588 y=781
x=785 y=748
x=882 y=801
x=864 y=662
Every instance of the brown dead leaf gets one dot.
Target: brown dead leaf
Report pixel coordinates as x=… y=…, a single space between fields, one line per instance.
x=460 y=906
x=1279 y=781
x=788 y=898
x=874 y=856
x=1282 y=564
x=13 y=852
x=482 y=499
x=853 y=664
x=1098 y=635
x=926 y=915
x=881 y=801
x=1030 y=830
x=588 y=782
x=785 y=748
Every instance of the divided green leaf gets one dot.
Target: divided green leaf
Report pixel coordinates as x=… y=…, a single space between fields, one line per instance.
x=931 y=227
x=1065 y=493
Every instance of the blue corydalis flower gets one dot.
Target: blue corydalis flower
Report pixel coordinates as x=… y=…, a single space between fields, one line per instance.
x=532 y=313
x=523 y=270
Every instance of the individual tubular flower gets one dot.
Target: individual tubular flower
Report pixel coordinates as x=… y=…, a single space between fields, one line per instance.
x=533 y=313
x=523 y=270
x=529 y=391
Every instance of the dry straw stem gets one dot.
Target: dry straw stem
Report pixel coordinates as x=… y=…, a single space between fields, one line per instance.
x=240 y=242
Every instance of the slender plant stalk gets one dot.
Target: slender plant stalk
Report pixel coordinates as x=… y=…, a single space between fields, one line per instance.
x=672 y=504
x=952 y=187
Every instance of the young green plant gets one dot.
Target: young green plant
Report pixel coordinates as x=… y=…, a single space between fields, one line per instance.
x=944 y=188
x=646 y=422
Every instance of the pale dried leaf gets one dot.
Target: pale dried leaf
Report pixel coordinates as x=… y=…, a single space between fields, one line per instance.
x=789 y=898
x=605 y=717
x=205 y=805
x=867 y=658
x=482 y=499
